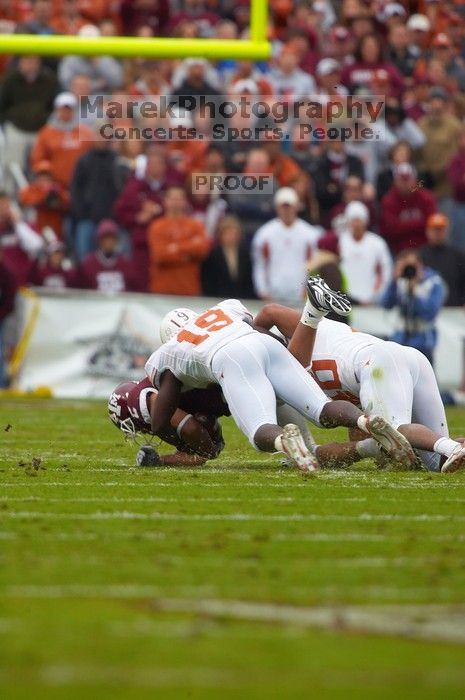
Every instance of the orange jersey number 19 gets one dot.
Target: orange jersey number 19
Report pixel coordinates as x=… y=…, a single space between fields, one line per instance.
x=211 y=321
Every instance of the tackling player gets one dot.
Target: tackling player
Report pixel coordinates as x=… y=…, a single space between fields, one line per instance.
x=382 y=377
x=220 y=346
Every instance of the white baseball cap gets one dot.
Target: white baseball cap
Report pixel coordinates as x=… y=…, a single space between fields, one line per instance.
x=65 y=99
x=419 y=23
x=356 y=210
x=286 y=195
x=89 y=31
x=327 y=66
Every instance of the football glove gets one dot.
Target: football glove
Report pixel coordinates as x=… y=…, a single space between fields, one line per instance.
x=147 y=457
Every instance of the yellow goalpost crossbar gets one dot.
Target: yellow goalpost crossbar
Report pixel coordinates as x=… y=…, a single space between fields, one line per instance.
x=254 y=49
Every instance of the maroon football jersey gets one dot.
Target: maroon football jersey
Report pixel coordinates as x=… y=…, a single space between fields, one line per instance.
x=44 y=275
x=108 y=275
x=209 y=401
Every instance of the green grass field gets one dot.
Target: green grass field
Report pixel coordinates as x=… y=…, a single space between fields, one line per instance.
x=240 y=580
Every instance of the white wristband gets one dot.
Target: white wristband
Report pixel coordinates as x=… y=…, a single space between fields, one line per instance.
x=182 y=423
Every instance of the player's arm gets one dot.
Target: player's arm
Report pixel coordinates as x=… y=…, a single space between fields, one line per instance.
x=284 y=318
x=180 y=429
x=287 y=321
x=167 y=402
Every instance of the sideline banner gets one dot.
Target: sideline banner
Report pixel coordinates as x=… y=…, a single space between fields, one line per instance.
x=81 y=344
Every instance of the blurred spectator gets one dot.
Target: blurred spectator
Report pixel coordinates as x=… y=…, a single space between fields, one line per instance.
x=48 y=198
x=402 y=53
x=365 y=258
x=456 y=178
x=70 y=19
x=354 y=190
x=401 y=126
x=26 y=100
x=19 y=243
x=177 y=245
x=207 y=206
x=8 y=287
x=341 y=45
x=368 y=60
x=195 y=11
x=442 y=132
x=284 y=169
x=288 y=79
x=419 y=28
x=281 y=249
x=443 y=50
x=98 y=178
x=150 y=82
x=326 y=262
x=106 y=270
x=445 y=259
x=62 y=140
x=328 y=73
x=405 y=209
x=401 y=152
x=196 y=77
x=141 y=201
x=54 y=270
x=418 y=293
x=40 y=20
x=253 y=208
x=227 y=271
x=105 y=72
x=334 y=167
x=144 y=13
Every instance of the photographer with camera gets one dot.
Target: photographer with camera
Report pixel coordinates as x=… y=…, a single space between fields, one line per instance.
x=419 y=293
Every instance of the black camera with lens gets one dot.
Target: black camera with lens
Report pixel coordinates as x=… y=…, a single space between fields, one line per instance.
x=409 y=272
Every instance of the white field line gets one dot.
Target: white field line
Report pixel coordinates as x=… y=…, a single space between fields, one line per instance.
x=431 y=622
x=172 y=499
x=225 y=517
x=445 y=500
x=238 y=536
x=203 y=483
x=141 y=677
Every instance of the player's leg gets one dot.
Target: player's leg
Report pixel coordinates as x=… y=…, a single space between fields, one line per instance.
x=321 y=299
x=241 y=370
x=295 y=386
x=428 y=410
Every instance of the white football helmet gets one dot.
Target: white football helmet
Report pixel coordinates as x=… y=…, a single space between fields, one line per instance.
x=173 y=321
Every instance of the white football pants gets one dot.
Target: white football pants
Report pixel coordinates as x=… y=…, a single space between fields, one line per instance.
x=256 y=369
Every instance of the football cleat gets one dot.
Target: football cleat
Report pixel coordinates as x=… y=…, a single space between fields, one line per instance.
x=294 y=447
x=325 y=299
x=392 y=441
x=455 y=462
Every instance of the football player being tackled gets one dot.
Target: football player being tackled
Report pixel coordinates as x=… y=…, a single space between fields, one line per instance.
x=194 y=428
x=220 y=346
x=383 y=378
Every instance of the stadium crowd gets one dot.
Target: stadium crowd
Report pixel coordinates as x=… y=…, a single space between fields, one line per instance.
x=383 y=219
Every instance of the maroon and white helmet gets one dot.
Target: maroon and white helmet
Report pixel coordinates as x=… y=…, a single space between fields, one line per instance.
x=118 y=409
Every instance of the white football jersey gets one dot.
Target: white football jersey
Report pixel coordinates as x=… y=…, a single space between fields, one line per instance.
x=189 y=354
x=334 y=360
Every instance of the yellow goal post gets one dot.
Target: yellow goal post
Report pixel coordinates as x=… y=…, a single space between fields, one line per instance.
x=254 y=49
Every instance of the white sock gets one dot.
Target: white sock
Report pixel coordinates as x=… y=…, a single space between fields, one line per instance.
x=445 y=446
x=278 y=443
x=311 y=316
x=362 y=423
x=367 y=448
